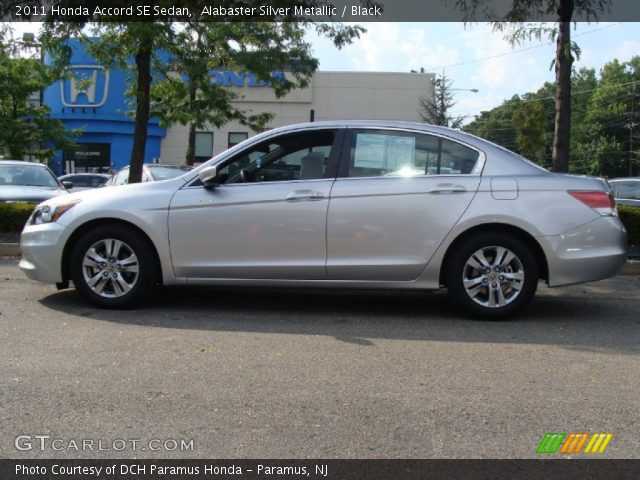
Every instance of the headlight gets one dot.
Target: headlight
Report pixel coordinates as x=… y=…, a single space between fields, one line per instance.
x=50 y=213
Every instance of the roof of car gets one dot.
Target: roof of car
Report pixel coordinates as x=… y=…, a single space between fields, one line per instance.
x=21 y=162
x=86 y=174
x=625 y=179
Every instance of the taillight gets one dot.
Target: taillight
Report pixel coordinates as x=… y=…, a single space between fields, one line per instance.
x=601 y=202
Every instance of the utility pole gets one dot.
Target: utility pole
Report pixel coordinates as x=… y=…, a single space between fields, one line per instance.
x=632 y=124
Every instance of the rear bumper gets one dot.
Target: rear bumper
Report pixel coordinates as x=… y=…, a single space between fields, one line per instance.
x=593 y=251
x=42 y=247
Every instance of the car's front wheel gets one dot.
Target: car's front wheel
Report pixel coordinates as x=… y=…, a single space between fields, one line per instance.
x=113 y=267
x=492 y=275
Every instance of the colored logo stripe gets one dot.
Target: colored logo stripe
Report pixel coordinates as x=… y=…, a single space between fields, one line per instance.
x=574 y=443
x=598 y=443
x=550 y=442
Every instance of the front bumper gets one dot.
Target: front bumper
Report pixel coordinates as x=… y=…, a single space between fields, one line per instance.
x=591 y=252
x=42 y=247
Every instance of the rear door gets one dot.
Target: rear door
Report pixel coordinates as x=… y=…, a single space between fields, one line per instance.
x=397 y=196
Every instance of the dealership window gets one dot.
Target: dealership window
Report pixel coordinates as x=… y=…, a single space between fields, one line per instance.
x=204 y=146
x=395 y=153
x=237 y=137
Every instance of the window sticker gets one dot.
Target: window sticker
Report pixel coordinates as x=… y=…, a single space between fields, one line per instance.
x=370 y=151
x=384 y=152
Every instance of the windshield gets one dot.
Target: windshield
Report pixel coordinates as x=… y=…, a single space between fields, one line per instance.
x=27 y=175
x=165 y=172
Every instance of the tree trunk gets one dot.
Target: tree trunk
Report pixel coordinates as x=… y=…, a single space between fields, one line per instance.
x=143 y=62
x=564 y=62
x=191 y=148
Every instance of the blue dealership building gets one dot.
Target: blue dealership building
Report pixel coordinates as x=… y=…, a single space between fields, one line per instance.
x=92 y=98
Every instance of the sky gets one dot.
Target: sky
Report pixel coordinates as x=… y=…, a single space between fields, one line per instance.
x=472 y=56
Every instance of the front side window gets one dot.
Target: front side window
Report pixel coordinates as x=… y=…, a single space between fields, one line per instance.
x=377 y=153
x=299 y=156
x=122 y=177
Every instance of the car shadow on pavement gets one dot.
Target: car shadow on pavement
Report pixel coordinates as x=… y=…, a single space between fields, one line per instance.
x=573 y=318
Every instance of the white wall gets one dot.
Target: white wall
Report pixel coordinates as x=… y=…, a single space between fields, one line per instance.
x=333 y=96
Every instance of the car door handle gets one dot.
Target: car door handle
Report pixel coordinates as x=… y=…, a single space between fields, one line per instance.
x=448 y=188
x=304 y=195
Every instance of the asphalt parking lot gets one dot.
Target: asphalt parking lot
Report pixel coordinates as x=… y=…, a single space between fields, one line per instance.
x=290 y=373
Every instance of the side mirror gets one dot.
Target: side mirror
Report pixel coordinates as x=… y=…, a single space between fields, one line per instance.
x=208 y=176
x=67 y=185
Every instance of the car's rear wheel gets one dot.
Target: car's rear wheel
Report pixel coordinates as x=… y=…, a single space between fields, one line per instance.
x=113 y=267
x=492 y=275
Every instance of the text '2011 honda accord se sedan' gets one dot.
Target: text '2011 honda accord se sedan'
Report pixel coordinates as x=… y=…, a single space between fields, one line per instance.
x=354 y=204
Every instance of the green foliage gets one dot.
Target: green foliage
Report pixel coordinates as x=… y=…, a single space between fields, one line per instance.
x=603 y=110
x=496 y=125
x=25 y=126
x=630 y=217
x=13 y=216
x=530 y=122
x=436 y=109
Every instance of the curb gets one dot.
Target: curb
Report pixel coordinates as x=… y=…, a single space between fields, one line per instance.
x=10 y=249
x=632 y=267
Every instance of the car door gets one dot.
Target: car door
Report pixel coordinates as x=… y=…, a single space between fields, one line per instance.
x=397 y=196
x=266 y=219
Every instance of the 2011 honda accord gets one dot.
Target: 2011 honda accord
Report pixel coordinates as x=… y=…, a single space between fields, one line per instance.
x=353 y=204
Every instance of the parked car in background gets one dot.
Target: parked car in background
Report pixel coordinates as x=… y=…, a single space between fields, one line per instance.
x=22 y=181
x=84 y=181
x=151 y=172
x=343 y=204
x=626 y=190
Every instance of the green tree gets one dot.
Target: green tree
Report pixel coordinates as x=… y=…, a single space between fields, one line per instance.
x=517 y=30
x=530 y=121
x=436 y=109
x=26 y=127
x=612 y=118
x=496 y=125
x=113 y=43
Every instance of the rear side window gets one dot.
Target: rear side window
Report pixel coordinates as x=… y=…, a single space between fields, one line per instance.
x=627 y=190
x=389 y=153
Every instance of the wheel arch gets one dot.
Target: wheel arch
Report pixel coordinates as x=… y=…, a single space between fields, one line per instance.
x=85 y=227
x=527 y=238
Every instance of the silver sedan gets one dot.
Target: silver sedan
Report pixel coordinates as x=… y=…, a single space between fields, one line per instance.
x=353 y=204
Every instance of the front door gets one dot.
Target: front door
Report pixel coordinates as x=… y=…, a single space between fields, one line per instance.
x=267 y=217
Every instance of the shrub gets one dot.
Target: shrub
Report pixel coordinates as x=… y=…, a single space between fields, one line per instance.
x=13 y=216
x=630 y=217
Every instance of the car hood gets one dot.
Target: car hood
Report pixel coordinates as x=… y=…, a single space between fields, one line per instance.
x=24 y=193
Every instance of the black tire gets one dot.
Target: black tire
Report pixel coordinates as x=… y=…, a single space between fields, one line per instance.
x=114 y=295
x=511 y=293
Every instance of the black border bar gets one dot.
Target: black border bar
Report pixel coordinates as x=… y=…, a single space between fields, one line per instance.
x=120 y=469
